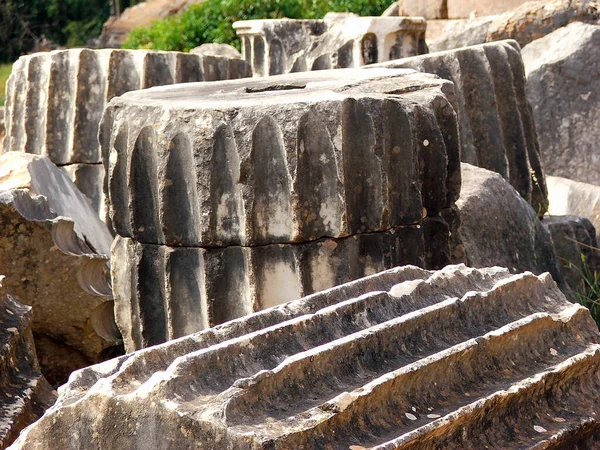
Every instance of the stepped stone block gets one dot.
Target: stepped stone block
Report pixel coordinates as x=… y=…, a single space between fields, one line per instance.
x=278 y=46
x=54 y=101
x=24 y=392
x=497 y=129
x=404 y=359
x=287 y=159
x=54 y=251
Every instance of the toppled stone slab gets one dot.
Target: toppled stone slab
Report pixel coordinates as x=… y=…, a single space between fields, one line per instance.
x=563 y=88
x=572 y=198
x=577 y=250
x=287 y=159
x=24 y=392
x=54 y=101
x=279 y=46
x=485 y=357
x=499 y=227
x=54 y=251
x=497 y=130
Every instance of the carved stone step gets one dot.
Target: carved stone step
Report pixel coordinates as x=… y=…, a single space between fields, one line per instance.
x=497 y=130
x=459 y=358
x=278 y=46
x=286 y=159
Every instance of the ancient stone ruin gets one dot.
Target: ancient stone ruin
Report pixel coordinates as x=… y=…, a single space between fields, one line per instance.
x=54 y=253
x=278 y=46
x=497 y=130
x=24 y=392
x=298 y=183
x=287 y=266
x=403 y=359
x=55 y=100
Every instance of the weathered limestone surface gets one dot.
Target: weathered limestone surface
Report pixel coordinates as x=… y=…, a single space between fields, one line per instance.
x=54 y=101
x=497 y=130
x=528 y=22
x=485 y=357
x=499 y=227
x=462 y=9
x=216 y=50
x=54 y=251
x=450 y=9
x=568 y=197
x=563 y=88
x=576 y=248
x=24 y=392
x=275 y=188
x=89 y=179
x=278 y=46
x=162 y=293
x=287 y=159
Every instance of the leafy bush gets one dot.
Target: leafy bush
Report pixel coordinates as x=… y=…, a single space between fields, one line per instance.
x=212 y=20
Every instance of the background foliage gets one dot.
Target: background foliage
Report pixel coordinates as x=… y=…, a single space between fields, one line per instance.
x=211 y=21
x=67 y=23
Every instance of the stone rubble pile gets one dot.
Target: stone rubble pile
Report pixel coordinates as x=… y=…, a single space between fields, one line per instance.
x=54 y=101
x=404 y=359
x=275 y=188
x=339 y=40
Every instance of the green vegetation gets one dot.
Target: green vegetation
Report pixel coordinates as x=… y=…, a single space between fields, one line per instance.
x=4 y=74
x=589 y=296
x=68 y=23
x=211 y=21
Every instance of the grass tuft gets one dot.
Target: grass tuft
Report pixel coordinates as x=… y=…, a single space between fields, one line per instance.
x=5 y=70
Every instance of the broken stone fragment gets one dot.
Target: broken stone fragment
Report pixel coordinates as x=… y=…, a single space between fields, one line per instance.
x=403 y=359
x=572 y=198
x=497 y=130
x=576 y=249
x=54 y=101
x=563 y=88
x=338 y=41
x=24 y=392
x=54 y=251
x=499 y=227
x=287 y=159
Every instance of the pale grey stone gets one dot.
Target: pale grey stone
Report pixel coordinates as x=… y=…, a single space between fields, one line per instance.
x=279 y=46
x=497 y=130
x=403 y=359
x=498 y=227
x=563 y=88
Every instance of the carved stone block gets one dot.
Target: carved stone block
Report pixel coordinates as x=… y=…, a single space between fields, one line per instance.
x=54 y=101
x=497 y=130
x=288 y=159
x=278 y=46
